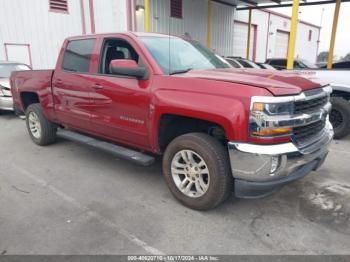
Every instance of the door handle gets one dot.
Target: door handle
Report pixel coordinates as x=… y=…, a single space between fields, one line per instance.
x=97 y=86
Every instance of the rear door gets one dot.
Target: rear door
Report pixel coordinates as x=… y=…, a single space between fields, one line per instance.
x=72 y=84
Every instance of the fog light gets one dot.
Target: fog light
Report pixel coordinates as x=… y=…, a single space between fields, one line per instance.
x=275 y=161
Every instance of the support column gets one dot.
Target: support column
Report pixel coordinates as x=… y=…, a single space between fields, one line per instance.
x=293 y=34
x=249 y=31
x=146 y=14
x=334 y=32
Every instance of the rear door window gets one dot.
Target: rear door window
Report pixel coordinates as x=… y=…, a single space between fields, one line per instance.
x=77 y=55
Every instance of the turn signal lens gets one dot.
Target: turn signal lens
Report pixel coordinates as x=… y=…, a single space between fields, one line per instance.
x=258 y=107
x=273 y=131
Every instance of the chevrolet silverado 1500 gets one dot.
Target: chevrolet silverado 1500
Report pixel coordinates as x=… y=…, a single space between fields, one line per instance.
x=219 y=129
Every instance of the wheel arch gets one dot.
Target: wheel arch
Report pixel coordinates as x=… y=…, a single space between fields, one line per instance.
x=173 y=125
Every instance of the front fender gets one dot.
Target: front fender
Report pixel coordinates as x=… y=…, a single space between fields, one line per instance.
x=229 y=113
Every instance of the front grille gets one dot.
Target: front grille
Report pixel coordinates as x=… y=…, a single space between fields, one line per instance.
x=310 y=105
x=302 y=134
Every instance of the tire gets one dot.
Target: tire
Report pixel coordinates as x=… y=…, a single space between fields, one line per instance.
x=217 y=182
x=340 y=117
x=45 y=133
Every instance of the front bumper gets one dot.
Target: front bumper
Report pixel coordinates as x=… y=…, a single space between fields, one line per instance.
x=260 y=170
x=6 y=103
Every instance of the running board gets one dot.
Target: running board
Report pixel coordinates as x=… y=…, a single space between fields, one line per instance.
x=118 y=151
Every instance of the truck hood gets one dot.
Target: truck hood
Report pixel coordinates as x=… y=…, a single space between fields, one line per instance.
x=278 y=83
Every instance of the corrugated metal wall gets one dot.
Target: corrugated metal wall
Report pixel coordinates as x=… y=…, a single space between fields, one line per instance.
x=110 y=16
x=194 y=22
x=222 y=28
x=31 y=22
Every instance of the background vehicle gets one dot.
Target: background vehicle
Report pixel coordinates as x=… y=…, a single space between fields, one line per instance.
x=266 y=66
x=338 y=78
x=339 y=65
x=217 y=127
x=239 y=62
x=6 y=68
x=281 y=63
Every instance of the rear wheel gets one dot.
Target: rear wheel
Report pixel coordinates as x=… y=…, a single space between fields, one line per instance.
x=41 y=130
x=197 y=171
x=340 y=117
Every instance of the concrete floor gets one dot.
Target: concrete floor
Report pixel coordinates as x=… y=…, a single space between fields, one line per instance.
x=71 y=199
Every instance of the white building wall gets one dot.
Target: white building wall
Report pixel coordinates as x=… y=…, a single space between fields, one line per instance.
x=222 y=28
x=31 y=22
x=304 y=48
x=110 y=16
x=260 y=19
x=194 y=22
x=266 y=36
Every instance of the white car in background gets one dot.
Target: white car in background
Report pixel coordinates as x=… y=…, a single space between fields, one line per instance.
x=239 y=62
x=6 y=68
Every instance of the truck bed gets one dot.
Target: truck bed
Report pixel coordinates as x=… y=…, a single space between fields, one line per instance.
x=33 y=81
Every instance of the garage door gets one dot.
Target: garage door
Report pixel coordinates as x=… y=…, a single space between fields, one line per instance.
x=240 y=33
x=281 y=44
x=18 y=53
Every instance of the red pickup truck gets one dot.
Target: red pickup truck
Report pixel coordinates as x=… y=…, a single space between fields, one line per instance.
x=219 y=129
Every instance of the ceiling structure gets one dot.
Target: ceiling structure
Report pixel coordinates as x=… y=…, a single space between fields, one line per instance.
x=260 y=4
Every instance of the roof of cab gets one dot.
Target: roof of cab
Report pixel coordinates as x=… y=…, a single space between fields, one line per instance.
x=126 y=33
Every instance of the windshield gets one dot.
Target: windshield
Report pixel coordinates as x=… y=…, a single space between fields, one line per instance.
x=307 y=64
x=175 y=55
x=6 y=69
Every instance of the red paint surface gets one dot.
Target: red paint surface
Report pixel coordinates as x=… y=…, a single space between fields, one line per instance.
x=128 y=111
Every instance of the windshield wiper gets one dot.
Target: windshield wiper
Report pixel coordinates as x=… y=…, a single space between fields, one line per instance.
x=182 y=71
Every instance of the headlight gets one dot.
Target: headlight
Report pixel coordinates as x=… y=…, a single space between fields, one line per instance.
x=273 y=108
x=261 y=112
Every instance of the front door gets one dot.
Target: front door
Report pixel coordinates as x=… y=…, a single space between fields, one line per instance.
x=121 y=104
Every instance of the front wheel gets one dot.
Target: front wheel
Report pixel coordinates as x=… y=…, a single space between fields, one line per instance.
x=41 y=130
x=340 y=117
x=197 y=171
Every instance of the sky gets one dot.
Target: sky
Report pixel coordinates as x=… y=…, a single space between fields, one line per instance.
x=313 y=15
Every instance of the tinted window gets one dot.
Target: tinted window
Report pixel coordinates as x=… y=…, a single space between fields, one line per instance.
x=244 y=63
x=233 y=63
x=343 y=65
x=279 y=62
x=114 y=49
x=78 y=55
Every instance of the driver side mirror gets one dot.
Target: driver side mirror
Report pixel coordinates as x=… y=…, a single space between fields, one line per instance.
x=127 y=67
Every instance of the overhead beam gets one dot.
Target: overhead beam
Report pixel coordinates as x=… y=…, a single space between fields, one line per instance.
x=288 y=5
x=224 y=3
x=249 y=2
x=334 y=32
x=293 y=34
